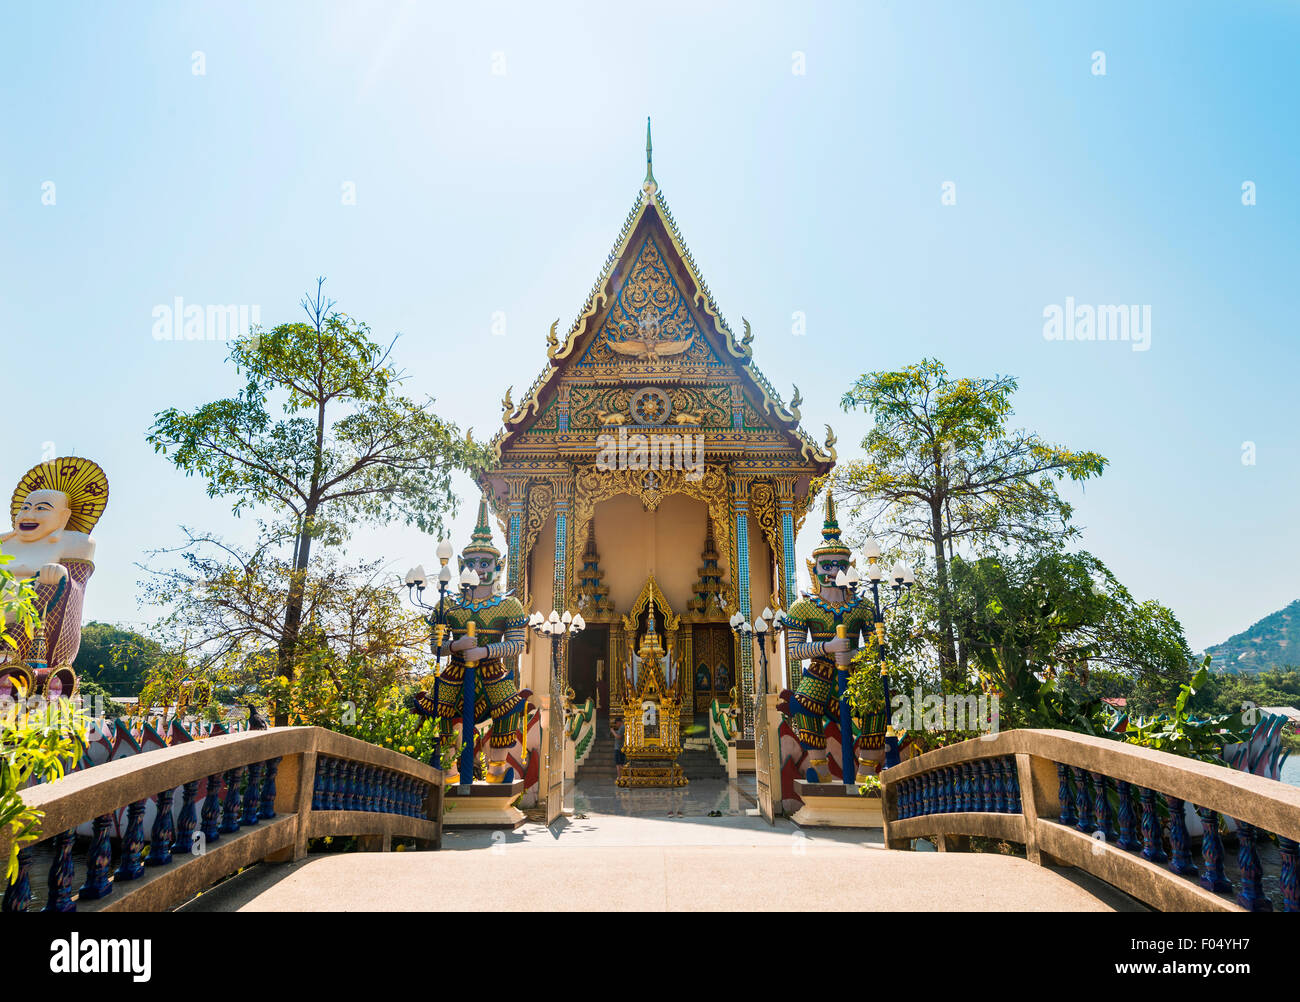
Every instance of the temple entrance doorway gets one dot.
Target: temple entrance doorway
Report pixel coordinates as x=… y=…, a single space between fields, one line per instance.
x=589 y=668
x=713 y=667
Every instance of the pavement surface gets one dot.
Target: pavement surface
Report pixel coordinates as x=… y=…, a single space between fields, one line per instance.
x=621 y=851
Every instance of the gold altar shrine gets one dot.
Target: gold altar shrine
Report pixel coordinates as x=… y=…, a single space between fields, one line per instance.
x=652 y=726
x=650 y=447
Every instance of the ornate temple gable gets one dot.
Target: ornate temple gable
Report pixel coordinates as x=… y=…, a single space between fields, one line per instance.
x=649 y=330
x=650 y=350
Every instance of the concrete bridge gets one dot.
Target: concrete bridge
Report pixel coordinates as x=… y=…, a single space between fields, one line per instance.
x=1103 y=826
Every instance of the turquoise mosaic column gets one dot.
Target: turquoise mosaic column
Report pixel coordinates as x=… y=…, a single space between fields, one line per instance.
x=516 y=496
x=563 y=505
x=740 y=505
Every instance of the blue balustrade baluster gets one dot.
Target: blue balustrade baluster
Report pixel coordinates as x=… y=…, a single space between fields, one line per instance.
x=334 y=784
x=186 y=818
x=211 y=815
x=949 y=789
x=1082 y=803
x=1065 y=795
x=999 y=784
x=252 y=795
x=319 y=792
x=99 y=861
x=985 y=786
x=1013 y=785
x=386 y=800
x=1251 y=896
x=18 y=895
x=368 y=799
x=905 y=799
x=342 y=783
x=1290 y=874
x=59 y=885
x=1180 y=849
x=972 y=786
x=266 y=809
x=1103 y=818
x=131 y=865
x=1128 y=827
x=1153 y=846
x=351 y=787
x=163 y=833
x=325 y=771
x=230 y=809
x=1212 y=851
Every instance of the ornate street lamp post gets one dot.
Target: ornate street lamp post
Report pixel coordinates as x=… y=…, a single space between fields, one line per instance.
x=902 y=578
x=556 y=628
x=767 y=622
x=415 y=585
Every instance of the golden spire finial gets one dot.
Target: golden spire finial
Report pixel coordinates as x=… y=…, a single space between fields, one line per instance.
x=649 y=186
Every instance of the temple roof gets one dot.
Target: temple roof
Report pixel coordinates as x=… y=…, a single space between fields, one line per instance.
x=653 y=340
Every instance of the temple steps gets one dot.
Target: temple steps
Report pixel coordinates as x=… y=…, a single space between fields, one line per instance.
x=697 y=761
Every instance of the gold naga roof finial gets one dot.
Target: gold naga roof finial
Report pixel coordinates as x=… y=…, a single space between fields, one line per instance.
x=507 y=405
x=795 y=401
x=748 y=337
x=552 y=342
x=830 y=442
x=649 y=186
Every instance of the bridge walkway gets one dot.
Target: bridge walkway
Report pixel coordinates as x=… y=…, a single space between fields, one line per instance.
x=628 y=854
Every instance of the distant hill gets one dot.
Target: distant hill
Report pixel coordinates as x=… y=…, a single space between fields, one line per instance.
x=1273 y=642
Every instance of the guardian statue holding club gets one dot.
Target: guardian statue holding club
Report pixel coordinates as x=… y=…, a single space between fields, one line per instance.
x=476 y=631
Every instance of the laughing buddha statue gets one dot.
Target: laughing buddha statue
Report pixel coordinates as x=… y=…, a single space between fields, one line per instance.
x=53 y=510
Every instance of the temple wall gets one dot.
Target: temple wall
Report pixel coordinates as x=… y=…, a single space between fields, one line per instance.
x=533 y=666
x=634 y=543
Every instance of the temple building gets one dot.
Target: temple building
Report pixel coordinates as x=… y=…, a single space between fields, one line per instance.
x=651 y=464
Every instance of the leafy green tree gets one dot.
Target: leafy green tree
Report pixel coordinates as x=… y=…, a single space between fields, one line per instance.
x=17 y=606
x=116 y=658
x=942 y=468
x=346 y=449
x=1184 y=732
x=1064 y=616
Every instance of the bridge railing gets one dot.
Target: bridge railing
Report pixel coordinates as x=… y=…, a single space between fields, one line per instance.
x=219 y=805
x=1114 y=810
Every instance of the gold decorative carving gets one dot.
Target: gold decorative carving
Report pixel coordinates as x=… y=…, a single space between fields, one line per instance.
x=541 y=501
x=595 y=485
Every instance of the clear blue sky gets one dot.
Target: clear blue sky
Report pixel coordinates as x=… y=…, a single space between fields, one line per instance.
x=479 y=191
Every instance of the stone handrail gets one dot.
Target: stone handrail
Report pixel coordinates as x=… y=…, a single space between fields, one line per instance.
x=265 y=793
x=1060 y=794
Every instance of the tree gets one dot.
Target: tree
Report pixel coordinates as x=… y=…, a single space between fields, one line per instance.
x=116 y=658
x=1061 y=617
x=228 y=604
x=348 y=448
x=17 y=607
x=942 y=468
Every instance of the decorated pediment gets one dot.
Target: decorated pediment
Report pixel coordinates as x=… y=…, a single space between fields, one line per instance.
x=650 y=350
x=649 y=329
